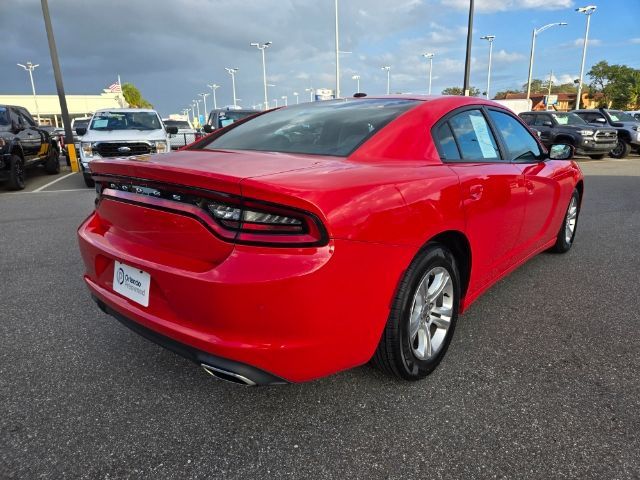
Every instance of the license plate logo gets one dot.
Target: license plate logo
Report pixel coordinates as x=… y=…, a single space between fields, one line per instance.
x=131 y=283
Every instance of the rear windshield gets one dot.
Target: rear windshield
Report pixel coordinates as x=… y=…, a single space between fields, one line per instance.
x=322 y=128
x=177 y=123
x=4 y=116
x=568 y=119
x=81 y=123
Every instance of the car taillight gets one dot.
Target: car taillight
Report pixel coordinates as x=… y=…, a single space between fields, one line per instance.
x=233 y=218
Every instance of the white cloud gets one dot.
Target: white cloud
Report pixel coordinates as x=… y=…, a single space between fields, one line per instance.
x=579 y=42
x=635 y=41
x=503 y=56
x=486 y=6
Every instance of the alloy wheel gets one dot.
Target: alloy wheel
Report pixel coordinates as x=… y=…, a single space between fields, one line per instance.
x=431 y=313
x=572 y=217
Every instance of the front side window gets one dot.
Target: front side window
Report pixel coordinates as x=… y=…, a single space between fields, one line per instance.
x=541 y=119
x=228 y=117
x=318 y=128
x=125 y=121
x=519 y=142
x=474 y=137
x=26 y=118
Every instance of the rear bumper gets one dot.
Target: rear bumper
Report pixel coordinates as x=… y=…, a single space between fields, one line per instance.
x=252 y=375
x=298 y=314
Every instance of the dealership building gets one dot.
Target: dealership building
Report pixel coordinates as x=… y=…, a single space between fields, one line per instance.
x=49 y=106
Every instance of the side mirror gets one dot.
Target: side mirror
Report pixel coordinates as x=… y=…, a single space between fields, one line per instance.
x=81 y=131
x=561 y=151
x=207 y=128
x=172 y=130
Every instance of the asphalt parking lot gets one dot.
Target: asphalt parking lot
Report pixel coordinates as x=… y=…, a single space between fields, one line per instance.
x=541 y=380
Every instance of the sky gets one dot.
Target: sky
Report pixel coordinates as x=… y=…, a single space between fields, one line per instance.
x=172 y=49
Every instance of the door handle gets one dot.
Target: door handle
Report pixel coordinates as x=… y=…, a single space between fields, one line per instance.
x=475 y=192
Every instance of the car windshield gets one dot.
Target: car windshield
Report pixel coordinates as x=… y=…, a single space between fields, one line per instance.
x=125 y=121
x=4 y=116
x=228 y=117
x=322 y=128
x=177 y=124
x=568 y=119
x=618 y=116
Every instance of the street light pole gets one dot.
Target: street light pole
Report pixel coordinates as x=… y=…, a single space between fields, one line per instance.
x=232 y=72
x=204 y=101
x=66 y=121
x=429 y=56
x=490 y=39
x=30 y=67
x=213 y=88
x=286 y=100
x=197 y=100
x=310 y=90
x=337 y=54
x=534 y=35
x=262 y=47
x=588 y=11
x=357 y=79
x=388 y=69
x=295 y=94
x=467 y=63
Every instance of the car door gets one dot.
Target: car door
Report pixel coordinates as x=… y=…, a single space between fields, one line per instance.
x=544 y=182
x=492 y=190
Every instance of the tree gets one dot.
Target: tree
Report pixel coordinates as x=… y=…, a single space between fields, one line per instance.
x=133 y=96
x=537 y=86
x=473 y=91
x=501 y=95
x=618 y=84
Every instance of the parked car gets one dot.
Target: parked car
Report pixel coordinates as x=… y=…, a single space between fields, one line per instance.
x=225 y=116
x=317 y=237
x=121 y=132
x=635 y=114
x=627 y=126
x=563 y=127
x=25 y=144
x=186 y=133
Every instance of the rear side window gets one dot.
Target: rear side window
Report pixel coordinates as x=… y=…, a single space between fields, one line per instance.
x=519 y=142
x=528 y=119
x=446 y=143
x=4 y=116
x=474 y=136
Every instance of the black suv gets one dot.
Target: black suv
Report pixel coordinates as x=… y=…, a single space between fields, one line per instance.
x=628 y=128
x=562 y=127
x=225 y=116
x=23 y=144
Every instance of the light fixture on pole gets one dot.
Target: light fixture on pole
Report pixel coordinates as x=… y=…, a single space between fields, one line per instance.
x=310 y=90
x=429 y=56
x=262 y=47
x=588 y=11
x=204 y=101
x=388 y=69
x=286 y=100
x=357 y=79
x=213 y=88
x=536 y=32
x=232 y=72
x=490 y=39
x=295 y=94
x=30 y=67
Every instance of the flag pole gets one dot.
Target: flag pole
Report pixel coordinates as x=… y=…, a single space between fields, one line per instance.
x=121 y=96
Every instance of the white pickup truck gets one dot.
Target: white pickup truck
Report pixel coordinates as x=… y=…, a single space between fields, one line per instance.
x=121 y=132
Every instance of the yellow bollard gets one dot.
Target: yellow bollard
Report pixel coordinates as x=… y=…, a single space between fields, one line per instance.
x=71 y=151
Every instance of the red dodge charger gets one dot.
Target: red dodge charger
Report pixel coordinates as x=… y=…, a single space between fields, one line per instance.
x=311 y=239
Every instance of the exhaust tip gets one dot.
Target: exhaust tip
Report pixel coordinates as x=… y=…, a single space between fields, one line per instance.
x=228 y=376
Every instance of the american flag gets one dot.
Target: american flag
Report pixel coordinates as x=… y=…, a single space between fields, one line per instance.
x=115 y=88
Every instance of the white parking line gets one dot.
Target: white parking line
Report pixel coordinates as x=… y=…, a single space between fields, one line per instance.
x=50 y=191
x=51 y=183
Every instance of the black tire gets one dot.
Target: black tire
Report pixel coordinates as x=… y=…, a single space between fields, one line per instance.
x=16 y=173
x=621 y=150
x=88 y=181
x=599 y=156
x=52 y=164
x=563 y=244
x=395 y=353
